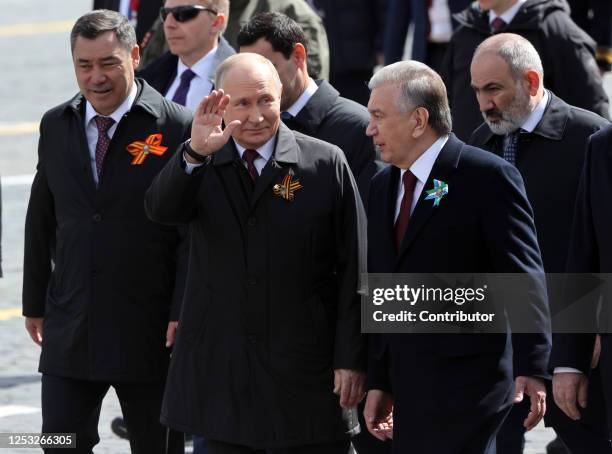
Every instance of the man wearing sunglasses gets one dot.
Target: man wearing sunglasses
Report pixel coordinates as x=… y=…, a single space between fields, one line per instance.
x=193 y=31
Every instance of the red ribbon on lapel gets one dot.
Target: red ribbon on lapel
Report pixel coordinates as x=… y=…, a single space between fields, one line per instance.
x=140 y=150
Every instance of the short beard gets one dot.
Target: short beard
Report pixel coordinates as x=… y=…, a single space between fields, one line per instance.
x=513 y=116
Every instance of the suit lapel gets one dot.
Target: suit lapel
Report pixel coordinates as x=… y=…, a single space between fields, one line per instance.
x=445 y=164
x=388 y=212
x=77 y=108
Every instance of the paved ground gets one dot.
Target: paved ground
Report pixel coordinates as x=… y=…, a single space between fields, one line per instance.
x=37 y=75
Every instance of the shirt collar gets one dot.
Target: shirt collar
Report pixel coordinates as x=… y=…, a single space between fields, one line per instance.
x=298 y=105
x=265 y=151
x=536 y=115
x=201 y=68
x=124 y=108
x=421 y=168
x=509 y=14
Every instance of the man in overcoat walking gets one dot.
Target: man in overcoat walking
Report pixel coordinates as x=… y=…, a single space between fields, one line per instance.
x=269 y=349
x=99 y=291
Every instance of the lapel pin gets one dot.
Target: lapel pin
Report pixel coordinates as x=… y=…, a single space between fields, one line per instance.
x=436 y=194
x=286 y=189
x=141 y=149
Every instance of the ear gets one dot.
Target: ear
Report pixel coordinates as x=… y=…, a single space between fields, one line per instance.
x=299 y=54
x=218 y=24
x=421 y=117
x=135 y=55
x=532 y=79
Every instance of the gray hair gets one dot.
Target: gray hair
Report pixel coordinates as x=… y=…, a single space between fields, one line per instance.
x=236 y=59
x=516 y=51
x=420 y=86
x=100 y=21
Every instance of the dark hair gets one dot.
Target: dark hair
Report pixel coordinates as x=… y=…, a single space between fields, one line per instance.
x=100 y=21
x=282 y=32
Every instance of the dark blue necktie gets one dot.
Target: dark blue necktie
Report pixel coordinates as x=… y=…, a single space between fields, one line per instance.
x=511 y=147
x=180 y=97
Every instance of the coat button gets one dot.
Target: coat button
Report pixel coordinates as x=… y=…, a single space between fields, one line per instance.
x=252 y=222
x=252 y=281
x=97 y=217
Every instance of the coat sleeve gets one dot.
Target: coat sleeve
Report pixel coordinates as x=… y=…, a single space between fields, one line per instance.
x=574 y=350
x=39 y=237
x=172 y=197
x=572 y=57
x=508 y=222
x=349 y=344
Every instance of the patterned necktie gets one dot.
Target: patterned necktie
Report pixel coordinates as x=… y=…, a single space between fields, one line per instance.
x=511 y=147
x=180 y=96
x=401 y=225
x=103 y=124
x=249 y=157
x=497 y=25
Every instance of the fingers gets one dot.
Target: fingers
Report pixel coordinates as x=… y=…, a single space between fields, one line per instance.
x=519 y=390
x=229 y=129
x=345 y=391
x=214 y=103
x=537 y=411
x=596 y=352
x=34 y=329
x=565 y=393
x=171 y=333
x=583 y=393
x=337 y=382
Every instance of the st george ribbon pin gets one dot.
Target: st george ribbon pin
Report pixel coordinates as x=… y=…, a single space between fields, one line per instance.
x=286 y=189
x=151 y=145
x=438 y=192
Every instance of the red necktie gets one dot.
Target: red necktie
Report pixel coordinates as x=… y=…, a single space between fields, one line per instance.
x=103 y=124
x=401 y=224
x=497 y=25
x=249 y=157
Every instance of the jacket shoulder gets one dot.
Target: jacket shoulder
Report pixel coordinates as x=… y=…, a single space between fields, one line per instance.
x=57 y=113
x=317 y=149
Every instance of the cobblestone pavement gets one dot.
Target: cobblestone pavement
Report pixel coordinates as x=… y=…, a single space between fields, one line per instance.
x=37 y=74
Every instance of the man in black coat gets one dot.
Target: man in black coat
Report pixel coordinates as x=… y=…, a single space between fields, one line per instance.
x=595 y=17
x=185 y=73
x=311 y=107
x=270 y=325
x=101 y=289
x=448 y=393
x=538 y=133
x=590 y=251
x=567 y=53
x=141 y=13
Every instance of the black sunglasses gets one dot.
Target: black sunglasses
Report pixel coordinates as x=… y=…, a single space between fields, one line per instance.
x=184 y=13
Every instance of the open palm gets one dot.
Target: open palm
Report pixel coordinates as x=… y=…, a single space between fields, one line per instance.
x=207 y=135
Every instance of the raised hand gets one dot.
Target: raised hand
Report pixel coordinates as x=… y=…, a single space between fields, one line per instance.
x=207 y=136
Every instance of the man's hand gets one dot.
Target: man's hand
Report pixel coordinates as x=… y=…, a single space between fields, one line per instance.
x=206 y=133
x=34 y=327
x=596 y=352
x=536 y=390
x=348 y=384
x=378 y=414
x=569 y=387
x=171 y=333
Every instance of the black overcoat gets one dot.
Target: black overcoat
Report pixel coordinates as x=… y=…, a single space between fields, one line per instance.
x=98 y=270
x=271 y=304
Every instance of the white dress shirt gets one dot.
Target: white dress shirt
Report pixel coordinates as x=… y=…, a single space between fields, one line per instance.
x=91 y=130
x=265 y=153
x=299 y=104
x=509 y=14
x=421 y=168
x=440 y=19
x=201 y=84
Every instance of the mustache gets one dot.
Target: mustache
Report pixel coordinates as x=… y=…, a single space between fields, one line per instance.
x=493 y=112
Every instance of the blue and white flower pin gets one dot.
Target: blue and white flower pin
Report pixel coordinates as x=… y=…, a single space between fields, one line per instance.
x=436 y=194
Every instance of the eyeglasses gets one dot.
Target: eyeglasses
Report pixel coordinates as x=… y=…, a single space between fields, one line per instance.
x=184 y=13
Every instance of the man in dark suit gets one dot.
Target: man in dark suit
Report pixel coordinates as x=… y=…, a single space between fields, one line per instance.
x=447 y=393
x=99 y=291
x=531 y=128
x=271 y=303
x=590 y=252
x=141 y=13
x=185 y=74
x=311 y=107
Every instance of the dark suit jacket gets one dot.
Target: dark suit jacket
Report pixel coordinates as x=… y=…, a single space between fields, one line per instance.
x=341 y=122
x=449 y=387
x=591 y=243
x=111 y=291
x=160 y=73
x=148 y=11
x=271 y=303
